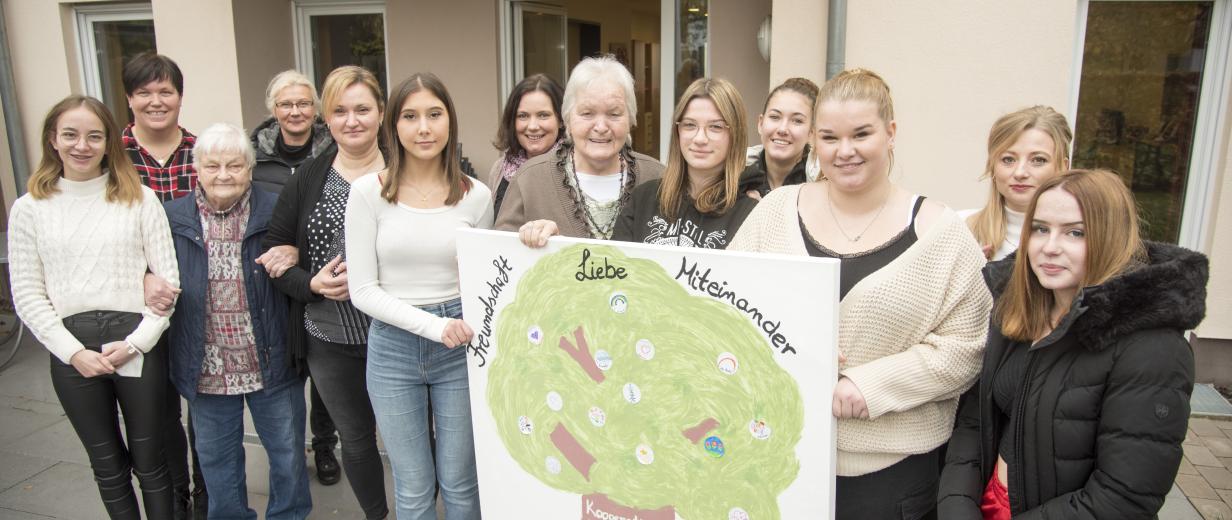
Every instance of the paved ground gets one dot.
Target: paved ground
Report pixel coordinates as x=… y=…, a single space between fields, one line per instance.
x=44 y=473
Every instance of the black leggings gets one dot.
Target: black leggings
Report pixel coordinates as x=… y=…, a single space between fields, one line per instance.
x=90 y=404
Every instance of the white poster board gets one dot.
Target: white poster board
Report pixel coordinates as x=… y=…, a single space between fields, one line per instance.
x=612 y=380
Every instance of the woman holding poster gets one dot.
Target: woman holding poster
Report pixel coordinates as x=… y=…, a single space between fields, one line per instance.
x=1083 y=402
x=913 y=309
x=401 y=227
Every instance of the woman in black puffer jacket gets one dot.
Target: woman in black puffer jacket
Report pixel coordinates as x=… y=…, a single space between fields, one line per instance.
x=1083 y=401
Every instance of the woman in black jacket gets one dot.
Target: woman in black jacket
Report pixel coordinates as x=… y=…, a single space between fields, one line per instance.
x=1083 y=401
x=325 y=330
x=697 y=202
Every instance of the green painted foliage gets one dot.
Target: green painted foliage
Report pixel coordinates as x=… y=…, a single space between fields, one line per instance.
x=680 y=386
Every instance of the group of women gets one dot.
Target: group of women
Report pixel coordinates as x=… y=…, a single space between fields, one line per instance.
x=1052 y=383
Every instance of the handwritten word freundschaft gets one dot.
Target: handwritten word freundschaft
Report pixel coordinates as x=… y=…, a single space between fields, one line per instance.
x=700 y=281
x=479 y=347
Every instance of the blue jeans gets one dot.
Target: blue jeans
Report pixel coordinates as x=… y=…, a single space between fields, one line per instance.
x=279 y=419
x=405 y=371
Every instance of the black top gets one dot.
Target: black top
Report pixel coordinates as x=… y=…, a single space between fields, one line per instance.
x=854 y=267
x=641 y=221
x=1005 y=387
x=329 y=320
x=293 y=155
x=755 y=178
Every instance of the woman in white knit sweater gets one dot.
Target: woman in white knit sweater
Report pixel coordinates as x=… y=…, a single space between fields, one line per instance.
x=401 y=228
x=80 y=243
x=913 y=312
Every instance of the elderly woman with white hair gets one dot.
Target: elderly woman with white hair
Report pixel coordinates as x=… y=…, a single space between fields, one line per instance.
x=580 y=189
x=293 y=133
x=228 y=333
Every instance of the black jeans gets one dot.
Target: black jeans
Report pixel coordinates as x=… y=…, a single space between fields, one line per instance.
x=323 y=436
x=90 y=404
x=340 y=373
x=907 y=491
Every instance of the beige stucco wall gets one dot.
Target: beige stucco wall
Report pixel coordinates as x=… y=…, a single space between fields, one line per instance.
x=798 y=40
x=734 y=55
x=953 y=71
x=266 y=46
x=457 y=41
x=211 y=77
x=39 y=48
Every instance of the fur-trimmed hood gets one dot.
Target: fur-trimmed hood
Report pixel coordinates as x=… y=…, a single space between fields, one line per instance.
x=265 y=136
x=1168 y=291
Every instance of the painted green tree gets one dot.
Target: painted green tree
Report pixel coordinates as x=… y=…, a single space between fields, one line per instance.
x=633 y=388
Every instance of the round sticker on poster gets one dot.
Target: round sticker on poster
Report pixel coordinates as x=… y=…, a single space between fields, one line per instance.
x=737 y=514
x=714 y=446
x=759 y=429
x=727 y=363
x=603 y=360
x=645 y=349
x=552 y=464
x=632 y=393
x=525 y=425
x=555 y=402
x=597 y=417
x=619 y=302
x=535 y=334
x=645 y=455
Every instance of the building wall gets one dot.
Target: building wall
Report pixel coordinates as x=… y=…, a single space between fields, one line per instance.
x=39 y=48
x=1218 y=322
x=1013 y=55
x=266 y=46
x=211 y=75
x=457 y=41
x=734 y=55
x=798 y=40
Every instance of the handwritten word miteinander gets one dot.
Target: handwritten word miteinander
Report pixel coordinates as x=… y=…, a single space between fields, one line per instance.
x=701 y=282
x=588 y=270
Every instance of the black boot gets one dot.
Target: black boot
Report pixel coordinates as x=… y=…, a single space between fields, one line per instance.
x=179 y=505
x=328 y=470
x=200 y=504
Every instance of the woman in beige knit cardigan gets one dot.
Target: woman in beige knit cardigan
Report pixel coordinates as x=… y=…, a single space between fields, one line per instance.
x=913 y=311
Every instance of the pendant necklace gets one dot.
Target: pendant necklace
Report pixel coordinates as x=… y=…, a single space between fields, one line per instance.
x=830 y=206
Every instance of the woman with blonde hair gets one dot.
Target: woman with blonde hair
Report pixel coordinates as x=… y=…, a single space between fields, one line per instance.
x=80 y=244
x=1025 y=149
x=697 y=203
x=1083 y=401
x=913 y=310
x=325 y=330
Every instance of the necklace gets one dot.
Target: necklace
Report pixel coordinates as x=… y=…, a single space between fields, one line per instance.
x=423 y=197
x=830 y=206
x=351 y=174
x=601 y=225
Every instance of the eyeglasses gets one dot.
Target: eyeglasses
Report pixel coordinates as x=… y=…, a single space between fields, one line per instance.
x=72 y=138
x=233 y=168
x=286 y=106
x=713 y=130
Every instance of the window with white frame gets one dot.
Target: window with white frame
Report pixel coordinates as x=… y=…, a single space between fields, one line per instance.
x=108 y=36
x=1152 y=79
x=329 y=34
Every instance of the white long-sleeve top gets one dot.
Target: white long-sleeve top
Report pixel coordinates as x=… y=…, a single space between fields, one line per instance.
x=1013 y=231
x=75 y=252
x=398 y=257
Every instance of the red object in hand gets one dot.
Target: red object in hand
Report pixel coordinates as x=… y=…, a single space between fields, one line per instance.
x=996 y=502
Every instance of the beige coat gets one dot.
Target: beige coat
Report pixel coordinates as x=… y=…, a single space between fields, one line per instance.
x=540 y=191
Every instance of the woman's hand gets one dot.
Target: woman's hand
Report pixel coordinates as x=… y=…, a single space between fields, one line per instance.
x=988 y=251
x=536 y=232
x=848 y=401
x=159 y=295
x=457 y=332
x=118 y=353
x=331 y=281
x=278 y=259
x=91 y=364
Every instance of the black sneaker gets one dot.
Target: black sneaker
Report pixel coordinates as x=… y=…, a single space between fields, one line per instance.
x=328 y=470
x=200 y=504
